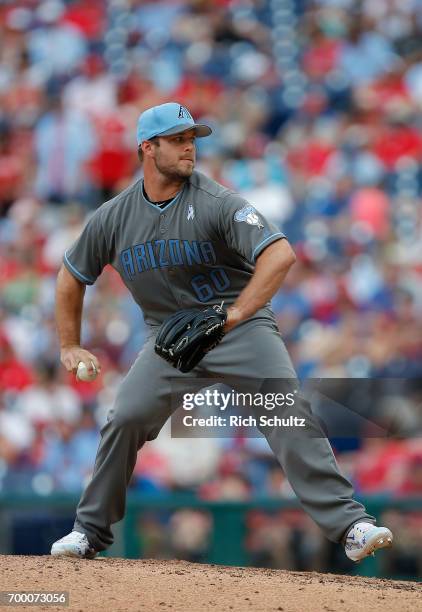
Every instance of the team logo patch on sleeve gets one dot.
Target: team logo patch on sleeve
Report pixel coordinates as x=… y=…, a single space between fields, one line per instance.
x=249 y=215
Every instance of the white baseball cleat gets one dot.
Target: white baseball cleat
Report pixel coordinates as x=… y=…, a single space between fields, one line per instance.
x=365 y=538
x=74 y=544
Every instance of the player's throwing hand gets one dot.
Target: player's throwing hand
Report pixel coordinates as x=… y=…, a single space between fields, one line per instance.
x=71 y=356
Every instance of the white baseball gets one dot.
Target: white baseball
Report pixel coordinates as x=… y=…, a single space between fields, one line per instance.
x=83 y=373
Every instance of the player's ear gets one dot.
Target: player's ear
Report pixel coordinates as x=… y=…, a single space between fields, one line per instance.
x=144 y=149
x=140 y=154
x=147 y=148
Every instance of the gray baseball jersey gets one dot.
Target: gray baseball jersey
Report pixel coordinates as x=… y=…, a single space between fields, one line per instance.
x=199 y=249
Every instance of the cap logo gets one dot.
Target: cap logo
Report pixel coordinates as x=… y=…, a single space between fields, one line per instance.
x=184 y=113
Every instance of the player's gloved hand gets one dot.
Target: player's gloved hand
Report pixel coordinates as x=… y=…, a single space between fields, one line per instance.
x=186 y=336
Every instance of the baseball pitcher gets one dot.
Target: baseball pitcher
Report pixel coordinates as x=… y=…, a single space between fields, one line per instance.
x=203 y=265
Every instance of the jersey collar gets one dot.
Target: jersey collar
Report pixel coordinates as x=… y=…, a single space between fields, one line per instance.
x=157 y=208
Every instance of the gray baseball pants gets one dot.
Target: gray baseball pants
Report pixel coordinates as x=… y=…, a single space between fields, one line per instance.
x=254 y=349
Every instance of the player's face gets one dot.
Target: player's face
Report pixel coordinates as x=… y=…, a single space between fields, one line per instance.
x=175 y=155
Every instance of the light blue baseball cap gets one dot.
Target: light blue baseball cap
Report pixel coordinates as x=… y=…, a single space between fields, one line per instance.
x=167 y=119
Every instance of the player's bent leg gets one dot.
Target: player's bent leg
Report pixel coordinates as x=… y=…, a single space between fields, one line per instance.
x=256 y=349
x=308 y=461
x=104 y=499
x=141 y=408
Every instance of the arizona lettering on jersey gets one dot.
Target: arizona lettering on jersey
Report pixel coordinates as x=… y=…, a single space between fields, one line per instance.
x=165 y=253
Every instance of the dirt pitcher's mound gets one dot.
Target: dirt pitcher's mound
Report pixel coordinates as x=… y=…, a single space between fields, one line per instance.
x=125 y=584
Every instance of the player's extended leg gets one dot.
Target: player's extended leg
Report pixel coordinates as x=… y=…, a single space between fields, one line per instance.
x=256 y=350
x=141 y=408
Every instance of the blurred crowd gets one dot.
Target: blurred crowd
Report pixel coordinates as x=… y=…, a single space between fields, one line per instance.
x=285 y=539
x=316 y=110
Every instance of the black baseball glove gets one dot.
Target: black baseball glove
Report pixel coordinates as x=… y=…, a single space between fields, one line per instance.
x=186 y=336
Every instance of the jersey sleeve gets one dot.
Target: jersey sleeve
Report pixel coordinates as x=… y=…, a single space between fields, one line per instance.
x=88 y=255
x=244 y=229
